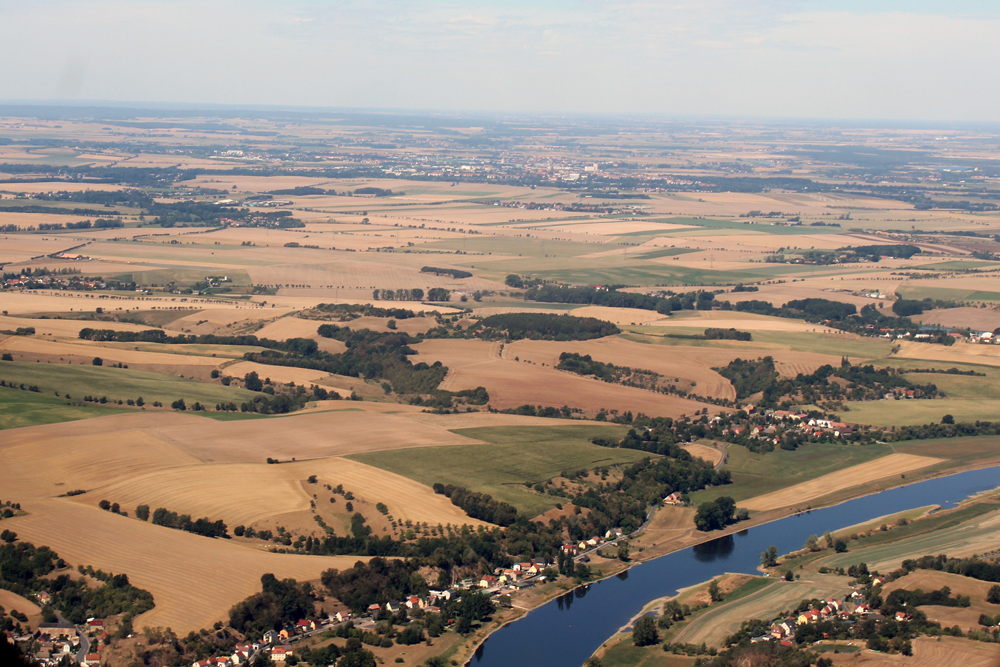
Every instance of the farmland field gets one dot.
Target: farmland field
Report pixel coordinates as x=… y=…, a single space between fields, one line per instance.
x=243 y=226
x=514 y=456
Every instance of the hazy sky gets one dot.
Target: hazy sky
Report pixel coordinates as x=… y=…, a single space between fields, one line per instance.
x=889 y=59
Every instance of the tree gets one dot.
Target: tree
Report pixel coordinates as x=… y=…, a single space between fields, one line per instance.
x=812 y=543
x=142 y=512
x=770 y=557
x=98 y=361
x=104 y=505
x=828 y=537
x=463 y=625
x=993 y=596
x=948 y=419
x=714 y=592
x=252 y=381
x=179 y=404
x=140 y=402
x=622 y=551
x=709 y=517
x=644 y=633
x=840 y=546
x=789 y=576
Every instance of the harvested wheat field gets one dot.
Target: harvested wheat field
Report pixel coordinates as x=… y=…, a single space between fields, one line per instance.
x=961 y=353
x=11 y=601
x=60 y=302
x=927 y=652
x=704 y=452
x=65 y=328
x=741 y=321
x=932 y=580
x=977 y=319
x=669 y=361
x=275 y=490
x=88 y=349
x=341 y=430
x=473 y=363
x=194 y=580
x=282 y=374
x=887 y=466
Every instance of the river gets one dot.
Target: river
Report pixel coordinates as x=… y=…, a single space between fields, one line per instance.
x=567 y=630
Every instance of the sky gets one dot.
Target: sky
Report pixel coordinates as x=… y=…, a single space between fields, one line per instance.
x=824 y=59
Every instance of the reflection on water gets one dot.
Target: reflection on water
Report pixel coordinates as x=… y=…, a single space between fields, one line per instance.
x=623 y=575
x=718 y=549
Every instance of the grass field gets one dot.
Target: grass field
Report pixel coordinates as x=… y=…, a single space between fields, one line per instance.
x=514 y=456
x=27 y=408
x=758 y=474
x=78 y=380
x=914 y=413
x=974 y=387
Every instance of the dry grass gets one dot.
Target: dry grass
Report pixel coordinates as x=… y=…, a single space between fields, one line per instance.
x=887 y=466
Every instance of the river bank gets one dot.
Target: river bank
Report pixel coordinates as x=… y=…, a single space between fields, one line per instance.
x=695 y=540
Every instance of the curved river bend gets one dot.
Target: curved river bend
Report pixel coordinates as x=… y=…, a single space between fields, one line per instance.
x=566 y=631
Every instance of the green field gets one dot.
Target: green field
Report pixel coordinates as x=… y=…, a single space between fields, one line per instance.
x=757 y=474
x=515 y=455
x=77 y=381
x=918 y=412
x=27 y=408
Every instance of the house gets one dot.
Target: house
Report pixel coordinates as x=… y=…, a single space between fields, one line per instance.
x=613 y=534
x=810 y=616
x=240 y=658
x=303 y=626
x=272 y=637
x=285 y=633
x=392 y=606
x=594 y=541
x=95 y=623
x=571 y=549
x=372 y=608
x=489 y=581
x=341 y=616
x=92 y=659
x=413 y=602
x=443 y=594
x=673 y=499
x=540 y=563
x=280 y=653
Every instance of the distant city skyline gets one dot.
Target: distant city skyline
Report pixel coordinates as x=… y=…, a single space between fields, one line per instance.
x=889 y=60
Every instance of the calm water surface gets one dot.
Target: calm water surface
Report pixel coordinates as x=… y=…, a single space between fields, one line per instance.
x=567 y=630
